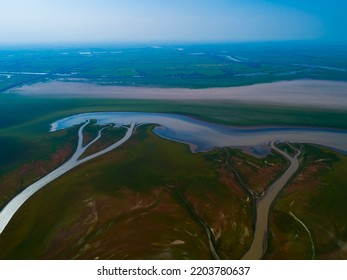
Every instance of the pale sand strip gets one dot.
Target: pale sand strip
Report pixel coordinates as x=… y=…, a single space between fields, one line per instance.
x=325 y=94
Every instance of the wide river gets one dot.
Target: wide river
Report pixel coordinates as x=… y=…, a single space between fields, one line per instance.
x=203 y=136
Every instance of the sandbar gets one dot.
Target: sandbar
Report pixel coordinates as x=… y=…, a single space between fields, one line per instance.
x=312 y=93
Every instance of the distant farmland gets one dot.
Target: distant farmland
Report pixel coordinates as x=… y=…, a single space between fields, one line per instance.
x=187 y=66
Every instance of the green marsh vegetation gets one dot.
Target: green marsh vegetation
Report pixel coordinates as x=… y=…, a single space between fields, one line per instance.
x=133 y=184
x=188 y=66
x=143 y=170
x=317 y=197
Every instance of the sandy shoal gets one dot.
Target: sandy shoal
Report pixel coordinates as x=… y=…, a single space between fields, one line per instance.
x=316 y=93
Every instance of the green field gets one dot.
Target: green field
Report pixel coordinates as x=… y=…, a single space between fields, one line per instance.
x=187 y=66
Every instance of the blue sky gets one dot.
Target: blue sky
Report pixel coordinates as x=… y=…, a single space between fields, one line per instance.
x=84 y=21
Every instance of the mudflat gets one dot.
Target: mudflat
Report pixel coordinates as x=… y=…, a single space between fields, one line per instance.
x=313 y=93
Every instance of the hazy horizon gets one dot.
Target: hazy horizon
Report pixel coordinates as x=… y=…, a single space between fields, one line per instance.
x=189 y=21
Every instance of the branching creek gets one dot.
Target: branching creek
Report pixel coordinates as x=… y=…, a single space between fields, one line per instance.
x=263 y=205
x=201 y=136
